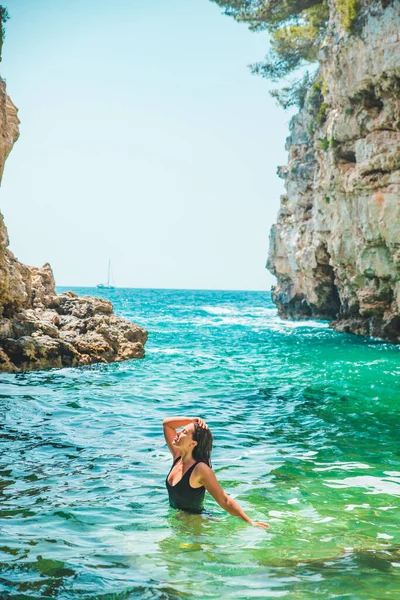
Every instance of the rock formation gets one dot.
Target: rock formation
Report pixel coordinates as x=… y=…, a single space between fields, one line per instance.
x=335 y=248
x=40 y=329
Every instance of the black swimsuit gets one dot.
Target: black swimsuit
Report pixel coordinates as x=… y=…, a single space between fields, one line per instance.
x=182 y=495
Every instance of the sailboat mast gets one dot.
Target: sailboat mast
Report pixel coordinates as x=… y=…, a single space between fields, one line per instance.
x=109 y=269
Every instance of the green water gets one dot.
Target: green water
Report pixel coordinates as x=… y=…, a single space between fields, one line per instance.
x=306 y=436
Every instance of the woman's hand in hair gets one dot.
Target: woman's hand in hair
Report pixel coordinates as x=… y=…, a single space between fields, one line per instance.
x=200 y=423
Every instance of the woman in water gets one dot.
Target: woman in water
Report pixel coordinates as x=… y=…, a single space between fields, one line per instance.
x=191 y=474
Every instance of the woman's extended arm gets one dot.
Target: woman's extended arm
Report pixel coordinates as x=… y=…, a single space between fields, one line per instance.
x=171 y=424
x=210 y=482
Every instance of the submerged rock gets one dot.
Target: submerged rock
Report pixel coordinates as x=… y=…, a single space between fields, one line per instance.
x=40 y=329
x=335 y=248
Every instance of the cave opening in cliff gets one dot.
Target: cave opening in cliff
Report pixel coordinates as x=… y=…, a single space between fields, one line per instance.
x=347 y=156
x=327 y=292
x=369 y=101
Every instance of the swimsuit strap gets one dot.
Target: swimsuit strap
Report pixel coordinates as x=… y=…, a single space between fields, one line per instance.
x=190 y=469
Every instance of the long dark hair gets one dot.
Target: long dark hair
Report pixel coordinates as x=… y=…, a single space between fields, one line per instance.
x=204 y=439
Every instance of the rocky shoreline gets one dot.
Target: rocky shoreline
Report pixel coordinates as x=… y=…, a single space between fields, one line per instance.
x=40 y=329
x=335 y=248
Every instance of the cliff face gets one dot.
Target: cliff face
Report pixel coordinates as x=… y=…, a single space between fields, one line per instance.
x=40 y=329
x=335 y=248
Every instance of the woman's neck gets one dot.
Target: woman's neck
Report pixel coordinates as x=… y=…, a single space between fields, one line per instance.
x=187 y=457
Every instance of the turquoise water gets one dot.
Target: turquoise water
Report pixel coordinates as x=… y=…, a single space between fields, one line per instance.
x=306 y=428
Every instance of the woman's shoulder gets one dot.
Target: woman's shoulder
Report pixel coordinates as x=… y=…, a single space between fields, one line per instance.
x=203 y=474
x=202 y=468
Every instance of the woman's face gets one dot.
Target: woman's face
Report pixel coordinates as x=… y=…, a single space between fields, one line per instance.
x=184 y=438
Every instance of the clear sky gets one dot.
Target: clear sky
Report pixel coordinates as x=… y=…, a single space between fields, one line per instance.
x=144 y=139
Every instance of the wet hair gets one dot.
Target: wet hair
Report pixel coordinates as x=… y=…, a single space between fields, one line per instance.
x=204 y=439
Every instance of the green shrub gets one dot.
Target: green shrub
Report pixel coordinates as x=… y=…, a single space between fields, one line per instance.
x=315 y=101
x=314 y=98
x=324 y=144
x=296 y=29
x=4 y=16
x=348 y=11
x=294 y=94
x=321 y=114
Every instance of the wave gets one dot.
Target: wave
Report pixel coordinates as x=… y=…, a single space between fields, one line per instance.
x=371 y=485
x=254 y=311
x=172 y=351
x=217 y=310
x=298 y=324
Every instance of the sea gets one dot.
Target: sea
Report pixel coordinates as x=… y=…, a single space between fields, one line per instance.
x=306 y=427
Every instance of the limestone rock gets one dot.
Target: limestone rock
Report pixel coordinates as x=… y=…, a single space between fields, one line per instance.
x=335 y=248
x=40 y=329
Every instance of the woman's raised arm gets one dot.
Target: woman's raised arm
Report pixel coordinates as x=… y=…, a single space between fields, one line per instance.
x=170 y=425
x=210 y=482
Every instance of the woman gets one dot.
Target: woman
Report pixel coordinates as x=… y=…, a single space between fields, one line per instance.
x=191 y=474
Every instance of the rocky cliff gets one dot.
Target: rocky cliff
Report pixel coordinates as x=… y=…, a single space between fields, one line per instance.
x=335 y=248
x=40 y=329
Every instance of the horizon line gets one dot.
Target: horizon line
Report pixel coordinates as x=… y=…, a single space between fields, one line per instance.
x=173 y=289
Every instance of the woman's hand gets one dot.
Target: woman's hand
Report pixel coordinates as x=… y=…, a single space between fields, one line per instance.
x=200 y=423
x=260 y=524
x=170 y=424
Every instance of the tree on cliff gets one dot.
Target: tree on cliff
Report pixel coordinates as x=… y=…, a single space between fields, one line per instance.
x=3 y=18
x=296 y=28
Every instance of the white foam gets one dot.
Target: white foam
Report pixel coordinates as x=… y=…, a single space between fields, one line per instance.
x=218 y=310
x=343 y=466
x=280 y=324
x=164 y=351
x=249 y=312
x=372 y=485
x=223 y=320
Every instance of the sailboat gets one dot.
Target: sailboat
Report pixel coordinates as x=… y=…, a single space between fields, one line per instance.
x=107 y=286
